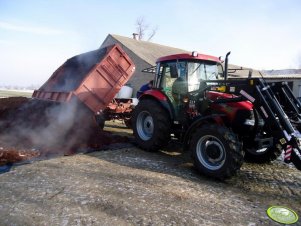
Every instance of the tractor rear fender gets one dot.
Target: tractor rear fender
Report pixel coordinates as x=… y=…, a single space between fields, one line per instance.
x=198 y=122
x=161 y=98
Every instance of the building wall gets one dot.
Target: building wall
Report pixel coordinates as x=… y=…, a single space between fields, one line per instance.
x=296 y=84
x=297 y=88
x=138 y=78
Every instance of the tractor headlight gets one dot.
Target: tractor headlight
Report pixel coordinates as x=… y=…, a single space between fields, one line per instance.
x=185 y=99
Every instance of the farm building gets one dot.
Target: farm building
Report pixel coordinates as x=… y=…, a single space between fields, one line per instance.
x=292 y=76
x=144 y=54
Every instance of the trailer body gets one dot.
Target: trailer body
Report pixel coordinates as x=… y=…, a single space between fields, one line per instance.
x=94 y=78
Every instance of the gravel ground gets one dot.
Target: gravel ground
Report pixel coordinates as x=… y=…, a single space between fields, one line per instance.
x=128 y=186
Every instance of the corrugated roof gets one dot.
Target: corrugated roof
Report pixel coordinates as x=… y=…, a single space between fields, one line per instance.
x=148 y=51
x=283 y=72
x=242 y=72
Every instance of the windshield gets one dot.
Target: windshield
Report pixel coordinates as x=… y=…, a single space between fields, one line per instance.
x=190 y=73
x=198 y=71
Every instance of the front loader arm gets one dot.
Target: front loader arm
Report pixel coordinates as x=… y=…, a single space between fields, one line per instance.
x=265 y=102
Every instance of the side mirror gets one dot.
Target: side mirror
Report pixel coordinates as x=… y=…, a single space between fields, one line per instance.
x=220 y=71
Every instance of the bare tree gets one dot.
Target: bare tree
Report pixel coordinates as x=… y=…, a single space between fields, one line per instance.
x=142 y=27
x=152 y=34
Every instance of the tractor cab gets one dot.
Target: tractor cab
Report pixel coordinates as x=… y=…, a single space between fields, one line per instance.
x=180 y=74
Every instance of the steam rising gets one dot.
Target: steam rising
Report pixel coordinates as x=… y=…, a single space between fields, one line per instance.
x=48 y=126
x=69 y=76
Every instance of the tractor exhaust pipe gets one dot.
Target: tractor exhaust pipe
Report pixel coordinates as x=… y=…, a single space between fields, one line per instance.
x=226 y=66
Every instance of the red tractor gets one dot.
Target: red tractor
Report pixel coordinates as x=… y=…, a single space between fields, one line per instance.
x=221 y=121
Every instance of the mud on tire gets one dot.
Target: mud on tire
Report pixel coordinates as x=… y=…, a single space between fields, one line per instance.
x=216 y=151
x=151 y=125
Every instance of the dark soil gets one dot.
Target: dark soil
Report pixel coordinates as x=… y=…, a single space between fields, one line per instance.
x=8 y=105
x=10 y=155
x=31 y=128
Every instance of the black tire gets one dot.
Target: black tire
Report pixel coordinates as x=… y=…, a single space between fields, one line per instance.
x=264 y=155
x=128 y=123
x=100 y=120
x=296 y=160
x=151 y=125
x=216 y=151
x=261 y=156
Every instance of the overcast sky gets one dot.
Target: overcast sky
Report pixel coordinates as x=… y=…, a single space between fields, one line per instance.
x=37 y=36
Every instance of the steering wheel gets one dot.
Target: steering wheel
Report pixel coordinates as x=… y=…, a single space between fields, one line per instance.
x=195 y=95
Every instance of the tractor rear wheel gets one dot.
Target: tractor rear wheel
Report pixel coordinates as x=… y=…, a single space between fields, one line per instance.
x=216 y=151
x=151 y=125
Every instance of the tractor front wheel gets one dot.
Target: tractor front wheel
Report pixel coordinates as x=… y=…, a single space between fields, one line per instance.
x=216 y=151
x=264 y=155
x=151 y=125
x=296 y=160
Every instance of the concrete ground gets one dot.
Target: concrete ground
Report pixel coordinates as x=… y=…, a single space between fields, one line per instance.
x=124 y=185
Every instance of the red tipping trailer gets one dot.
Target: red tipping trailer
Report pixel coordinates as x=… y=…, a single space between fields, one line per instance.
x=94 y=78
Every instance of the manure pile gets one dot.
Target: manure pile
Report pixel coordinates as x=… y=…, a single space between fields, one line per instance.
x=37 y=129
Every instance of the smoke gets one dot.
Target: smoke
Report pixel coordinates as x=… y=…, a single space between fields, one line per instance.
x=69 y=76
x=47 y=126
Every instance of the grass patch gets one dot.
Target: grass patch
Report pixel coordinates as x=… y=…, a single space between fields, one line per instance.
x=14 y=93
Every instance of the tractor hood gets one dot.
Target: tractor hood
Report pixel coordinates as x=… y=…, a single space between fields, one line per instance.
x=242 y=105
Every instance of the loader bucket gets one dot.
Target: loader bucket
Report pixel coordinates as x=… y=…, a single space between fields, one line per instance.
x=94 y=78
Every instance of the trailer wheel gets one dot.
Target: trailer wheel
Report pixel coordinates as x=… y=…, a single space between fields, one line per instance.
x=100 y=120
x=128 y=123
x=151 y=125
x=216 y=151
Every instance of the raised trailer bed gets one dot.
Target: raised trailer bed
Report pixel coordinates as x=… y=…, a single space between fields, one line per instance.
x=93 y=78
